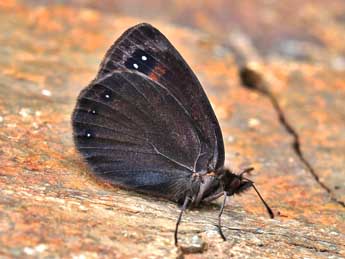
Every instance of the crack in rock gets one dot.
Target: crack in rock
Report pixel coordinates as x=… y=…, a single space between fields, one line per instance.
x=253 y=80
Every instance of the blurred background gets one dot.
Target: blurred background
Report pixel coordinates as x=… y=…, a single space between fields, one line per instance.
x=310 y=31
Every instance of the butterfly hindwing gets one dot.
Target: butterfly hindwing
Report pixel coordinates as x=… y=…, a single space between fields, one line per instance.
x=126 y=123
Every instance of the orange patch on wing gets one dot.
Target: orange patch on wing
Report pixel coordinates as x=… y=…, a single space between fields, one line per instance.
x=157 y=72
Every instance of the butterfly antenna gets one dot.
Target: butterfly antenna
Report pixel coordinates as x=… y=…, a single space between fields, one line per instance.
x=246 y=171
x=269 y=210
x=184 y=207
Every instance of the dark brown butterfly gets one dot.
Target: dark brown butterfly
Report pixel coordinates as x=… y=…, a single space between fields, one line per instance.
x=145 y=123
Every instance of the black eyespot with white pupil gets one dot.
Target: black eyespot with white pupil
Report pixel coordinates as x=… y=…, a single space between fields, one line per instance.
x=92 y=111
x=141 y=61
x=107 y=96
x=88 y=134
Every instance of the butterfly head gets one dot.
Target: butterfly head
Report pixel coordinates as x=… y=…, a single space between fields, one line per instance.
x=238 y=183
x=218 y=182
x=235 y=183
x=223 y=181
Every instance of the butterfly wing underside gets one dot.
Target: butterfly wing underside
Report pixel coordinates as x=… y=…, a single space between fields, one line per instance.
x=145 y=121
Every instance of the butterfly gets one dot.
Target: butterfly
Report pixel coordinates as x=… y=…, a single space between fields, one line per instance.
x=145 y=123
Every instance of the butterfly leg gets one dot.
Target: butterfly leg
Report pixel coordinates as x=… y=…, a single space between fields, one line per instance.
x=184 y=207
x=220 y=216
x=213 y=197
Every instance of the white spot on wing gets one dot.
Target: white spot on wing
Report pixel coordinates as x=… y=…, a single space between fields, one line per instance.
x=135 y=65
x=144 y=58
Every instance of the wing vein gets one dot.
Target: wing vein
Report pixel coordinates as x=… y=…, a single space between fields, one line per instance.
x=127 y=101
x=111 y=129
x=121 y=150
x=172 y=160
x=136 y=89
x=110 y=107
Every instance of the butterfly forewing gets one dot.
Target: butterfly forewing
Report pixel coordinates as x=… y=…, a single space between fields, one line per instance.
x=144 y=49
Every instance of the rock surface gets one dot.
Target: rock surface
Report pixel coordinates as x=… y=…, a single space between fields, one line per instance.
x=293 y=133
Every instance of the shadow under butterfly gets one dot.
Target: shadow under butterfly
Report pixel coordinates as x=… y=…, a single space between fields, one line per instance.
x=145 y=123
